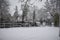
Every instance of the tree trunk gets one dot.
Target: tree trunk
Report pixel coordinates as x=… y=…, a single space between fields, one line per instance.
x=56 y=20
x=59 y=20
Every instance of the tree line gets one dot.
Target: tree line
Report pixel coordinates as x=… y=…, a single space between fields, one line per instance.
x=51 y=7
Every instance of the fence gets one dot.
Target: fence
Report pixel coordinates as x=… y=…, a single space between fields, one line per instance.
x=10 y=24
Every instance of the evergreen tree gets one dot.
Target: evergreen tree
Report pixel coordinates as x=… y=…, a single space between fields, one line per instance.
x=16 y=14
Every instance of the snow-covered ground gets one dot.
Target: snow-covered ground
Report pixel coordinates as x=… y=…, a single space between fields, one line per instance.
x=30 y=33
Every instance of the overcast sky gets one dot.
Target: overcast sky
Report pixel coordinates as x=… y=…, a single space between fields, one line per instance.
x=14 y=3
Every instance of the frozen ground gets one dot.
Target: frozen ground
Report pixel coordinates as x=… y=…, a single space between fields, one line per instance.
x=30 y=33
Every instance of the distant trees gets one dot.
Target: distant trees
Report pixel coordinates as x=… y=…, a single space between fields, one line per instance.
x=26 y=9
x=26 y=4
x=52 y=8
x=4 y=12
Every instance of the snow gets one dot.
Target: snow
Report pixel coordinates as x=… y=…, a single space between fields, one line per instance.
x=29 y=33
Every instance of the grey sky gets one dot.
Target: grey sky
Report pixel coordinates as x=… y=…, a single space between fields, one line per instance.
x=13 y=3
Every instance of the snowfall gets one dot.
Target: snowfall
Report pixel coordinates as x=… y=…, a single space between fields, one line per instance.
x=30 y=33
